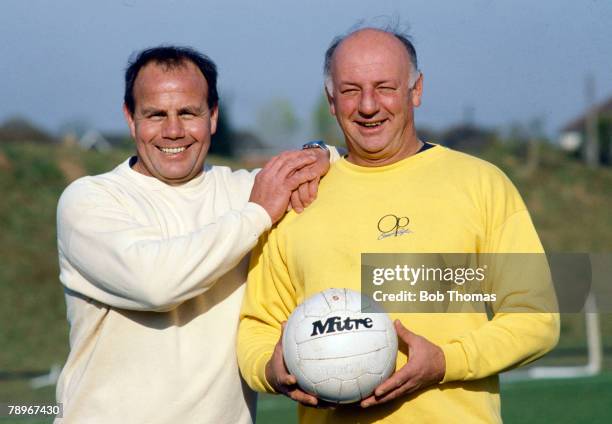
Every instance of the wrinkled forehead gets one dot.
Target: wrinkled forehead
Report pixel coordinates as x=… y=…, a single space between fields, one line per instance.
x=156 y=77
x=375 y=54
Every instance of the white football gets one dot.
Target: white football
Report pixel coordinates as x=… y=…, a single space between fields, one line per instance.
x=338 y=349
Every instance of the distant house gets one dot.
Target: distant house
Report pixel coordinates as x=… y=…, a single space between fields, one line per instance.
x=93 y=140
x=573 y=134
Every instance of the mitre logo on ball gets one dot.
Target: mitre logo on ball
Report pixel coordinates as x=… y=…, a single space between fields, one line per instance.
x=334 y=324
x=339 y=345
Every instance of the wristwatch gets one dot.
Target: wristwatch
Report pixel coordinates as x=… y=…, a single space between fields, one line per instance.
x=317 y=144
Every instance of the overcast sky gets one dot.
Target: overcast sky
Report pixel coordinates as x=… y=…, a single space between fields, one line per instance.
x=511 y=60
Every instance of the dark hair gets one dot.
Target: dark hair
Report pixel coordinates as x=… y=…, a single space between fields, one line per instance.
x=391 y=29
x=170 y=57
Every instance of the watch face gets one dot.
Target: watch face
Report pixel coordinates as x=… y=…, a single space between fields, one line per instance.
x=315 y=145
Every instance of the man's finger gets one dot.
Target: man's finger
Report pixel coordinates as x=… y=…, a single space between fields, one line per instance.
x=392 y=383
x=406 y=338
x=293 y=154
x=313 y=188
x=402 y=332
x=304 y=194
x=292 y=164
x=287 y=379
x=287 y=162
x=300 y=177
x=282 y=375
x=272 y=165
x=369 y=401
x=302 y=397
x=408 y=387
x=399 y=378
x=296 y=202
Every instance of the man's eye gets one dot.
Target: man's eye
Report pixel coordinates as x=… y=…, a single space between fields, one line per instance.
x=349 y=91
x=156 y=116
x=386 y=88
x=187 y=114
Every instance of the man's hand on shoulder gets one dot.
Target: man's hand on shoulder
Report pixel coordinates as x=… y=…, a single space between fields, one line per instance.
x=284 y=174
x=426 y=366
x=306 y=193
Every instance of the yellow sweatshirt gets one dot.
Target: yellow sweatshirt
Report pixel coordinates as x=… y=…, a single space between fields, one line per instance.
x=453 y=203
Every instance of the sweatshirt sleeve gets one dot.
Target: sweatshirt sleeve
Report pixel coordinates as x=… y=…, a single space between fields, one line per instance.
x=269 y=299
x=107 y=255
x=334 y=154
x=525 y=323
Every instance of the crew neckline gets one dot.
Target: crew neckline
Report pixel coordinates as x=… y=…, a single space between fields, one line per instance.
x=417 y=159
x=153 y=182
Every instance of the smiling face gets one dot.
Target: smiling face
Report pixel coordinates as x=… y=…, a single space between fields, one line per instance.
x=372 y=99
x=172 y=123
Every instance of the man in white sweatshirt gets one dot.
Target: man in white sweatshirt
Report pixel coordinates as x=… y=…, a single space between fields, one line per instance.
x=152 y=257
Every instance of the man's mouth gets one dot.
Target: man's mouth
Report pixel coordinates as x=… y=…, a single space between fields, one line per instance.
x=172 y=150
x=371 y=124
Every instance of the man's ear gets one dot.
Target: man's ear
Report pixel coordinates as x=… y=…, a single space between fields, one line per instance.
x=417 y=91
x=214 y=117
x=330 y=101
x=130 y=120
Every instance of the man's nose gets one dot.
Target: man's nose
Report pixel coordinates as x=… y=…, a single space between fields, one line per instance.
x=173 y=128
x=368 y=104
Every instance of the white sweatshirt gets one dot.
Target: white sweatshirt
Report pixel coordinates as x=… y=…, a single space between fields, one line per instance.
x=153 y=277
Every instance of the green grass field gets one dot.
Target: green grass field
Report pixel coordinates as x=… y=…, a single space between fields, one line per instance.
x=570 y=205
x=581 y=400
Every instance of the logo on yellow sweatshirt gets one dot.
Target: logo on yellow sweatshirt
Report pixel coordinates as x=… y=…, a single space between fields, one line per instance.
x=392 y=225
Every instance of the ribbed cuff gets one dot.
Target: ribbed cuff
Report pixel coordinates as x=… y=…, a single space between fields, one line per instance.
x=260 y=366
x=456 y=362
x=259 y=217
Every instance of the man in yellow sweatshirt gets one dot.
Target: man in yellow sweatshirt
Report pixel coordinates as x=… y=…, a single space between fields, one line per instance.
x=451 y=202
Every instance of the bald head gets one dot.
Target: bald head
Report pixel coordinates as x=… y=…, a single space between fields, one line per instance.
x=383 y=39
x=372 y=92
